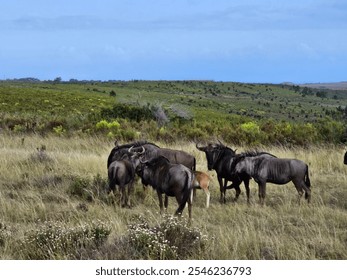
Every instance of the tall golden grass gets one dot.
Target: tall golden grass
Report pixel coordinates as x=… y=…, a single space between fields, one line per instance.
x=65 y=186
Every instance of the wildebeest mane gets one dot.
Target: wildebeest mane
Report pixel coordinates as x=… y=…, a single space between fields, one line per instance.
x=135 y=144
x=251 y=153
x=227 y=150
x=255 y=153
x=157 y=160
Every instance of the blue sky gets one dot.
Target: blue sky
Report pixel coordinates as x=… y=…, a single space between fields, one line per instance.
x=223 y=40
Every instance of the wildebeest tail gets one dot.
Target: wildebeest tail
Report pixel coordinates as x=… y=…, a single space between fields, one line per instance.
x=188 y=188
x=307 y=182
x=307 y=178
x=112 y=175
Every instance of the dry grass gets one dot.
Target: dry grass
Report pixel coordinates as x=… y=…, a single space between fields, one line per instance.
x=65 y=186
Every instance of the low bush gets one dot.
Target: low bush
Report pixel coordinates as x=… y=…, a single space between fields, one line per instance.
x=171 y=239
x=53 y=240
x=87 y=189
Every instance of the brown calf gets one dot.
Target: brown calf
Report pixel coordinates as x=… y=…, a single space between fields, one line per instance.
x=202 y=181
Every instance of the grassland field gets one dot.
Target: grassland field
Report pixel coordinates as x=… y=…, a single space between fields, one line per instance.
x=53 y=203
x=36 y=190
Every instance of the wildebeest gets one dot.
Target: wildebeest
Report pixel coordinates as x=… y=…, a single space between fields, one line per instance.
x=122 y=173
x=153 y=151
x=274 y=170
x=119 y=150
x=345 y=159
x=202 y=181
x=169 y=179
x=220 y=158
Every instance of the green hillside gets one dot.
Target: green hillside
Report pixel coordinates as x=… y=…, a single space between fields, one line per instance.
x=189 y=109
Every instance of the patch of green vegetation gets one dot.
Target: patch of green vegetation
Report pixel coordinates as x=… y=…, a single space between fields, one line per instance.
x=188 y=109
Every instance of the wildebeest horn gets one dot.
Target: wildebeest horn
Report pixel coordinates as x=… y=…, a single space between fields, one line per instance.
x=143 y=150
x=130 y=150
x=116 y=143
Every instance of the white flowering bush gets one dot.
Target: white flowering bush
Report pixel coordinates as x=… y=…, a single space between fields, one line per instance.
x=171 y=239
x=187 y=239
x=150 y=242
x=57 y=241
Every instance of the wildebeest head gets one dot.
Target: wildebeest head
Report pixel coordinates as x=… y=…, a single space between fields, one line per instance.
x=138 y=155
x=119 y=150
x=134 y=156
x=213 y=152
x=147 y=168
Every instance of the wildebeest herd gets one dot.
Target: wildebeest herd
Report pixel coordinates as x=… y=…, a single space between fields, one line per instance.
x=173 y=172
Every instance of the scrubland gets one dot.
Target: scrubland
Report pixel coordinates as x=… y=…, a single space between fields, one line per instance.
x=53 y=205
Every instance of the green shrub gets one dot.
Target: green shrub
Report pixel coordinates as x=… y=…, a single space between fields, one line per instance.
x=107 y=126
x=19 y=128
x=79 y=187
x=252 y=132
x=59 y=130
x=125 y=111
x=87 y=189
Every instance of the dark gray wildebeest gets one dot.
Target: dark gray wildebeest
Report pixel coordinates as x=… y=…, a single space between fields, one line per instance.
x=345 y=159
x=153 y=151
x=169 y=179
x=122 y=173
x=220 y=158
x=274 y=170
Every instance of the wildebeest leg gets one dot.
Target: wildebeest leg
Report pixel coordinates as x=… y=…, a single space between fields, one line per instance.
x=238 y=191
x=193 y=193
x=181 y=205
x=262 y=192
x=299 y=190
x=246 y=182
x=122 y=195
x=160 y=197
x=307 y=192
x=130 y=190
x=234 y=185
x=166 y=202
x=111 y=187
x=208 y=195
x=222 y=188
x=190 y=207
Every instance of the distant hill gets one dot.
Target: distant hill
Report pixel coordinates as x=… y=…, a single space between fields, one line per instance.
x=170 y=110
x=332 y=86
